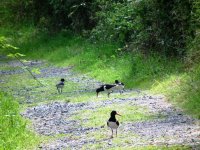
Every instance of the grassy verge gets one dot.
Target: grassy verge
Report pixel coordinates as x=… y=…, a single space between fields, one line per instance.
x=183 y=89
x=13 y=132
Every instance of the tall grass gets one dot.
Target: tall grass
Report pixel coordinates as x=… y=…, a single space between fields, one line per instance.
x=13 y=132
x=182 y=89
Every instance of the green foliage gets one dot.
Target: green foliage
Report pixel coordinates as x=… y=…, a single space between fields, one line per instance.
x=196 y=14
x=115 y=21
x=159 y=25
x=5 y=46
x=13 y=131
x=75 y=14
x=162 y=26
x=193 y=53
x=15 y=11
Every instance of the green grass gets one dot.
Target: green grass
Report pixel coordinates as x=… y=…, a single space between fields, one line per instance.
x=13 y=131
x=99 y=116
x=182 y=89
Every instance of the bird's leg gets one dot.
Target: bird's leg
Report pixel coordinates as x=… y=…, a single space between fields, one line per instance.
x=112 y=133
x=116 y=132
x=58 y=90
x=61 y=90
x=120 y=92
x=108 y=94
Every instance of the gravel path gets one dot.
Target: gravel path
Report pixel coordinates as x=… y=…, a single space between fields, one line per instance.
x=54 y=118
x=174 y=129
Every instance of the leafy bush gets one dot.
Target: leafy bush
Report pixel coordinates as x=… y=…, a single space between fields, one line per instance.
x=159 y=25
x=76 y=14
x=193 y=53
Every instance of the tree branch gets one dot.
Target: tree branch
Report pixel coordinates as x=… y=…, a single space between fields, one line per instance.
x=28 y=70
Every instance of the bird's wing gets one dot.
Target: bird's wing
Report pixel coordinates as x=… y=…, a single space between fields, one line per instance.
x=122 y=83
x=109 y=86
x=117 y=122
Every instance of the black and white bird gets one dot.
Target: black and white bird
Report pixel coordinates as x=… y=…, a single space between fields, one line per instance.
x=106 y=87
x=60 y=85
x=112 y=122
x=109 y=88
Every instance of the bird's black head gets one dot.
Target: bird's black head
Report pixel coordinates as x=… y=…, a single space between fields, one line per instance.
x=116 y=81
x=113 y=113
x=62 y=80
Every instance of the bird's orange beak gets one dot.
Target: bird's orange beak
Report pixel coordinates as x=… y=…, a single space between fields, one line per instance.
x=118 y=114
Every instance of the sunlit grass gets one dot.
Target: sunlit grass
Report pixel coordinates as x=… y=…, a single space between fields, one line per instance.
x=13 y=128
x=181 y=89
x=98 y=117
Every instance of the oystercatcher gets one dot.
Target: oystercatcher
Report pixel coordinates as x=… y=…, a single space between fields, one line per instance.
x=112 y=122
x=106 y=87
x=60 y=85
x=111 y=87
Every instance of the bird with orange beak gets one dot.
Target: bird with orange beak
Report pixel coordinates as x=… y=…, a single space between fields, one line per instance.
x=112 y=122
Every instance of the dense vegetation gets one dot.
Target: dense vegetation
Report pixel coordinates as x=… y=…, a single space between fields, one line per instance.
x=148 y=25
x=149 y=44
x=13 y=132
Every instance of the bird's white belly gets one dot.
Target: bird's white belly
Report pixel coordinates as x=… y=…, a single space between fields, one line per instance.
x=119 y=87
x=60 y=86
x=113 y=125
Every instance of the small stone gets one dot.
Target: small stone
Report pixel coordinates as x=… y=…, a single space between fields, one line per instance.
x=193 y=140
